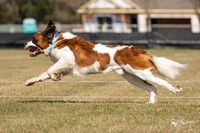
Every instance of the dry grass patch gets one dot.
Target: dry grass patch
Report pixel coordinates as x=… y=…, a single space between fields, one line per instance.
x=96 y=106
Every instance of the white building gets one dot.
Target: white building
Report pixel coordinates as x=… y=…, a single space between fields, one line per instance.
x=124 y=16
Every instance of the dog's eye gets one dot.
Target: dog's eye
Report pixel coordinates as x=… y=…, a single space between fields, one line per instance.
x=34 y=41
x=46 y=38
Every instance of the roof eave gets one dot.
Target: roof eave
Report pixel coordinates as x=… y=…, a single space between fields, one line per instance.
x=138 y=11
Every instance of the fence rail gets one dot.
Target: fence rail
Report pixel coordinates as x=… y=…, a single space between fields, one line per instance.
x=11 y=28
x=160 y=35
x=18 y=28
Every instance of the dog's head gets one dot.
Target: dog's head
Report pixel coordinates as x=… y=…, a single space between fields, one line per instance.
x=41 y=40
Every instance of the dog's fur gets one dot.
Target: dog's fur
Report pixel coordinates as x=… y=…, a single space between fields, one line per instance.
x=74 y=55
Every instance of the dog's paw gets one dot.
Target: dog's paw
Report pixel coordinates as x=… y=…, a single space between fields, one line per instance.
x=150 y=102
x=179 y=89
x=30 y=82
x=55 y=77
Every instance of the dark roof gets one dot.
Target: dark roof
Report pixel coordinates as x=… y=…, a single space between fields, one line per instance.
x=165 y=4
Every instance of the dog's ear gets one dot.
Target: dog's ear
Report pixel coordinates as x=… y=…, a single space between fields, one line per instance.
x=49 y=31
x=50 y=23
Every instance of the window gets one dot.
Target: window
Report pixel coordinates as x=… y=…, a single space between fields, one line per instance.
x=170 y=21
x=104 y=23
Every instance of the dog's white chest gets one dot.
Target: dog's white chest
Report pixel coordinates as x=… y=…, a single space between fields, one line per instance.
x=65 y=54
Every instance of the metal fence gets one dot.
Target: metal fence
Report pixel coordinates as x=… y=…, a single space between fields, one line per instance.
x=159 y=36
x=18 y=28
x=64 y=27
x=129 y=28
x=11 y=28
x=170 y=27
x=181 y=34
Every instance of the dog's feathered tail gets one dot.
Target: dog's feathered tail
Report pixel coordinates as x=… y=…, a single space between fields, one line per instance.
x=167 y=67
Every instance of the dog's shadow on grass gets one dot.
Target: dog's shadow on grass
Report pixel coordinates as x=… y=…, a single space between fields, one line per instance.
x=87 y=102
x=94 y=102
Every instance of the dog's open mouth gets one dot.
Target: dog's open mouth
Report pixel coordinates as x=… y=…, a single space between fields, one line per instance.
x=33 y=49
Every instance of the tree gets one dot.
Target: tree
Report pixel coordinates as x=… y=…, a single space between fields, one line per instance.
x=41 y=10
x=64 y=11
x=5 y=14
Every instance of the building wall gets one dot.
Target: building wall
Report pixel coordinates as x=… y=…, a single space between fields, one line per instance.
x=165 y=18
x=88 y=22
x=122 y=22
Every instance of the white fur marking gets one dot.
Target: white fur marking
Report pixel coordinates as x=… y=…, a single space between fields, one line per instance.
x=30 y=43
x=148 y=76
x=64 y=60
x=167 y=67
x=152 y=98
x=119 y=71
x=103 y=49
x=133 y=79
x=68 y=35
x=80 y=71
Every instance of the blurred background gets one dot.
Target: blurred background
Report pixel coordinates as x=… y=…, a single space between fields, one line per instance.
x=143 y=23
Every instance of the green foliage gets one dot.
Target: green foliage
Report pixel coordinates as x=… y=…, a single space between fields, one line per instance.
x=63 y=11
x=40 y=10
x=5 y=14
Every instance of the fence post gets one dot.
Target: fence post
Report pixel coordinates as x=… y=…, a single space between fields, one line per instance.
x=195 y=24
x=142 y=23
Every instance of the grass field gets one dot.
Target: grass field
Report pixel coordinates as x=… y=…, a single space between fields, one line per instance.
x=95 y=103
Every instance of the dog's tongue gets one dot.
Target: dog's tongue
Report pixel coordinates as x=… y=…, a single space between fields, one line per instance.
x=32 y=54
x=32 y=49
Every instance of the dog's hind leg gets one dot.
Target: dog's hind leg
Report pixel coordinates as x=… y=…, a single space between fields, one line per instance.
x=140 y=83
x=149 y=77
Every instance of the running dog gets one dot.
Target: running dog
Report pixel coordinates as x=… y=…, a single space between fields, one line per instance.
x=72 y=54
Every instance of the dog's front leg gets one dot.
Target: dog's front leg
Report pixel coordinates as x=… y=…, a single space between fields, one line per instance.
x=40 y=78
x=55 y=72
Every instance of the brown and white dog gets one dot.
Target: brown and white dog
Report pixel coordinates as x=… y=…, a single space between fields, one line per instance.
x=74 y=55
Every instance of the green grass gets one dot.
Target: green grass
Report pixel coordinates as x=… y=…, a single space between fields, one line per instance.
x=94 y=107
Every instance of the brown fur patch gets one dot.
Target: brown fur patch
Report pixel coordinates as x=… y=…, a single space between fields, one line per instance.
x=104 y=60
x=111 y=45
x=40 y=41
x=136 y=58
x=60 y=37
x=84 y=53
